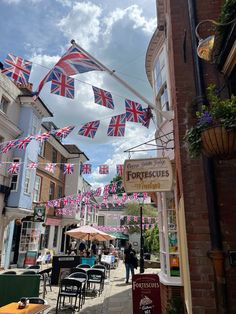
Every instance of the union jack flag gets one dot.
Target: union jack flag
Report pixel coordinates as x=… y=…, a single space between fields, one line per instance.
x=68 y=168
x=42 y=137
x=104 y=169
x=8 y=146
x=63 y=85
x=66 y=201
x=113 y=187
x=89 y=129
x=86 y=168
x=63 y=132
x=134 y=111
x=98 y=192
x=103 y=97
x=117 y=125
x=119 y=170
x=22 y=144
x=147 y=115
x=32 y=165
x=17 y=68
x=50 y=167
x=74 y=61
x=14 y=168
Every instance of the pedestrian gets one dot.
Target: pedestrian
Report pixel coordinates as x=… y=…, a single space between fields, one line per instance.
x=130 y=261
x=73 y=247
x=82 y=247
x=94 y=248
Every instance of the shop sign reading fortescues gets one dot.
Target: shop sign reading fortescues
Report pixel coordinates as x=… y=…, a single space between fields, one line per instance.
x=147 y=175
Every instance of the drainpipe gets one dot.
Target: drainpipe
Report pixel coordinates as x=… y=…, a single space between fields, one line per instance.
x=216 y=254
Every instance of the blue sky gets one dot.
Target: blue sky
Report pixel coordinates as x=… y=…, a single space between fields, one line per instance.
x=117 y=33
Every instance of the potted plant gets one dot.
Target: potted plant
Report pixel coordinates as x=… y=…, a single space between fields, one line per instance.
x=214 y=133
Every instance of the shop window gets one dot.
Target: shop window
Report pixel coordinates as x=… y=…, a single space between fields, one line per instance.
x=55 y=236
x=169 y=239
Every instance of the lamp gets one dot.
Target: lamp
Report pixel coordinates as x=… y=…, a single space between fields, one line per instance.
x=205 y=46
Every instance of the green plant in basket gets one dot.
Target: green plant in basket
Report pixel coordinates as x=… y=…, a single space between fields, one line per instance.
x=219 y=112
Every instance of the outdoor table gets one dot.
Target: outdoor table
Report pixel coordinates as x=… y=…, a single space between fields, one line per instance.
x=12 y=308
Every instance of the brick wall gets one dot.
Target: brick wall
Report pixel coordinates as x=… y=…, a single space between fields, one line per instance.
x=190 y=173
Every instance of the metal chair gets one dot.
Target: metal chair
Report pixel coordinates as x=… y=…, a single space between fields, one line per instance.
x=83 y=266
x=81 y=270
x=70 y=288
x=102 y=268
x=29 y=272
x=80 y=275
x=9 y=272
x=46 y=277
x=96 y=276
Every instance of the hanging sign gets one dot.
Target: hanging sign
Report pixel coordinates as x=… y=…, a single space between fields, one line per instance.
x=147 y=175
x=39 y=213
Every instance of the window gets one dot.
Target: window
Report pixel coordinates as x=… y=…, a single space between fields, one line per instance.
x=101 y=220
x=46 y=236
x=41 y=149
x=37 y=188
x=52 y=190
x=63 y=161
x=27 y=181
x=60 y=191
x=14 y=178
x=55 y=236
x=168 y=234
x=4 y=104
x=34 y=127
x=54 y=155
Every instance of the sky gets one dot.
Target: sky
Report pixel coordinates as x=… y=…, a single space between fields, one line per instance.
x=117 y=33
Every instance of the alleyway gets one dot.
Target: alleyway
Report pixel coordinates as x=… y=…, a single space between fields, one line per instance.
x=115 y=299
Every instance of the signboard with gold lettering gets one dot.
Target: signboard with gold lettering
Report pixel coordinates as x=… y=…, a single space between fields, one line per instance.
x=147 y=175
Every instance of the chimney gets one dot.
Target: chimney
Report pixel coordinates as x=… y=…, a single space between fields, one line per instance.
x=28 y=86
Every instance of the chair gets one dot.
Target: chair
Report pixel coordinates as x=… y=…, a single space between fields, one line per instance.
x=46 y=277
x=70 y=288
x=83 y=266
x=9 y=272
x=29 y=272
x=80 y=275
x=102 y=268
x=96 y=276
x=33 y=267
x=81 y=270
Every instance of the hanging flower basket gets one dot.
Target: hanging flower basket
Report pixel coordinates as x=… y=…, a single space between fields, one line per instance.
x=219 y=142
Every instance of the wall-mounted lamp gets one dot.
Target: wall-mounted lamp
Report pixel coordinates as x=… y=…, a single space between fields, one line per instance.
x=205 y=46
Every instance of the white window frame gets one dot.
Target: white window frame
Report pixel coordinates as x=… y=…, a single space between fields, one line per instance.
x=41 y=149
x=15 y=175
x=27 y=182
x=165 y=253
x=36 y=194
x=34 y=126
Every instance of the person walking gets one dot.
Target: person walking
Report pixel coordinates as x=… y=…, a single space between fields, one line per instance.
x=129 y=260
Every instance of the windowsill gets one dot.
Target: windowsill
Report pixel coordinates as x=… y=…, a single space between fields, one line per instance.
x=169 y=281
x=25 y=193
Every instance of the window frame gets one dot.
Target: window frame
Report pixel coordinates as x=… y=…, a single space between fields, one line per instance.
x=39 y=190
x=51 y=196
x=54 y=155
x=27 y=189
x=15 y=175
x=7 y=103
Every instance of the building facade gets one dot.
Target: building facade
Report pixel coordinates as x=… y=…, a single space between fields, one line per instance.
x=200 y=209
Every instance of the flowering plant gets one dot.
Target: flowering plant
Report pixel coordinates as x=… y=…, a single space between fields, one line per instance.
x=219 y=112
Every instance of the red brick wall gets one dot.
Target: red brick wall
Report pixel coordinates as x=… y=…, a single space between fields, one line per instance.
x=190 y=173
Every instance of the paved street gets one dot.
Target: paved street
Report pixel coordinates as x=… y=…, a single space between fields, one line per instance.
x=116 y=297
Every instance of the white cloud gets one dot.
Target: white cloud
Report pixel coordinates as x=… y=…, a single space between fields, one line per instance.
x=82 y=23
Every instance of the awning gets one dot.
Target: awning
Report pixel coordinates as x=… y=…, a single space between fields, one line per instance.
x=118 y=235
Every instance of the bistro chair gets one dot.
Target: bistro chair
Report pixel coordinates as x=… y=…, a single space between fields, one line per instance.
x=29 y=272
x=46 y=278
x=83 y=279
x=33 y=267
x=96 y=276
x=83 y=266
x=69 y=288
x=9 y=272
x=81 y=270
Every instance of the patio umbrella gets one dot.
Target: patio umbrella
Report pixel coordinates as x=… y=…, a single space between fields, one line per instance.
x=89 y=233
